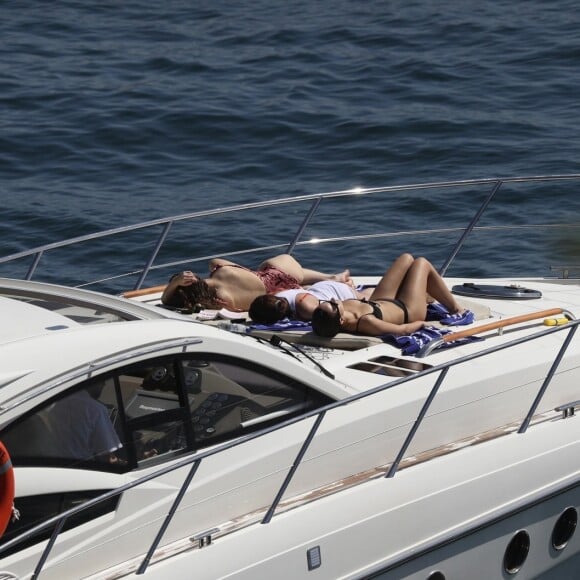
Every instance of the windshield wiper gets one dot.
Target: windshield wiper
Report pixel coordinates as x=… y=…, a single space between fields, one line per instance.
x=277 y=341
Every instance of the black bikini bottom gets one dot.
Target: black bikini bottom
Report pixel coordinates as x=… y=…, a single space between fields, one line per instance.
x=395 y=301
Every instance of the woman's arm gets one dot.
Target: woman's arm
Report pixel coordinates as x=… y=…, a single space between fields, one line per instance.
x=218 y=262
x=372 y=326
x=181 y=279
x=364 y=294
x=306 y=304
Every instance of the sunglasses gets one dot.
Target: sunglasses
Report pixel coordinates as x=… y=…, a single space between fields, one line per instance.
x=333 y=307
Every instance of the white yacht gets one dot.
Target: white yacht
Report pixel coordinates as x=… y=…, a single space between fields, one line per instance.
x=259 y=453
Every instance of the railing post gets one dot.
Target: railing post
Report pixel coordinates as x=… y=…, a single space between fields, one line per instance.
x=168 y=518
x=48 y=548
x=467 y=231
x=547 y=380
x=33 y=266
x=302 y=227
x=418 y=420
x=293 y=469
x=147 y=267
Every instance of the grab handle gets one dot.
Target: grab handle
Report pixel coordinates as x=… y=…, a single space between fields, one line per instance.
x=431 y=346
x=505 y=322
x=143 y=291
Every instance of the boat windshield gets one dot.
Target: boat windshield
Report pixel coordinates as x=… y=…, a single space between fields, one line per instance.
x=79 y=312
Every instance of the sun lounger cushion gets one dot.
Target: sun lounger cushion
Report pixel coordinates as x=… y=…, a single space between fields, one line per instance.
x=301 y=332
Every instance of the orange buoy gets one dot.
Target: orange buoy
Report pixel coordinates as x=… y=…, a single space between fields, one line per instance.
x=6 y=488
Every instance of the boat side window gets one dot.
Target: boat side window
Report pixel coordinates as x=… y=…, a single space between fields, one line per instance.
x=155 y=411
x=36 y=509
x=231 y=397
x=117 y=422
x=76 y=429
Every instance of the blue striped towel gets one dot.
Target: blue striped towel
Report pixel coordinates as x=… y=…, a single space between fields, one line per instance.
x=412 y=343
x=284 y=324
x=436 y=311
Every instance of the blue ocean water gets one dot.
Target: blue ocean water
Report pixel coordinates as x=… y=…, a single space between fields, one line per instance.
x=115 y=113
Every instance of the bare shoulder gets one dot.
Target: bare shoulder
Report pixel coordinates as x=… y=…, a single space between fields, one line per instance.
x=225 y=297
x=217 y=262
x=306 y=304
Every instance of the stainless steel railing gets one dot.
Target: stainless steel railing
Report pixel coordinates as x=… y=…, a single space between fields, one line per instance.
x=314 y=202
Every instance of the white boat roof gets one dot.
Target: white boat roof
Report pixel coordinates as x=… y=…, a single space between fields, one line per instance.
x=23 y=320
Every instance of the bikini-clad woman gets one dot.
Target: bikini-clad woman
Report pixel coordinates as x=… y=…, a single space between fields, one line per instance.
x=299 y=304
x=233 y=286
x=398 y=305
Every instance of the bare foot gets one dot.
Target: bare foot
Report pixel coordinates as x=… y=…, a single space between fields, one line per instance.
x=343 y=277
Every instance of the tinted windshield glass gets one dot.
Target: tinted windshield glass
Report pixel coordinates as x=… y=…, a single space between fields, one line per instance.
x=82 y=313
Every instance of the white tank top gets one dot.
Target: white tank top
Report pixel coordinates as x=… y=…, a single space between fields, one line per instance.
x=325 y=290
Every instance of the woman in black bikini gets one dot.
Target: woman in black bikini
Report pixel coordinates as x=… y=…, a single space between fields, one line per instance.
x=398 y=304
x=233 y=286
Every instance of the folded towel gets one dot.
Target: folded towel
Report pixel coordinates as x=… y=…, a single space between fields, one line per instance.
x=458 y=319
x=436 y=311
x=412 y=343
x=284 y=324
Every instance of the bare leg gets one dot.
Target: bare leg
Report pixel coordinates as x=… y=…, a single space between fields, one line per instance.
x=393 y=278
x=290 y=265
x=422 y=279
x=312 y=276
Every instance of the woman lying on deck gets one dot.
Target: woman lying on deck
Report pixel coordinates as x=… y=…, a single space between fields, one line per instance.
x=299 y=304
x=233 y=286
x=398 y=304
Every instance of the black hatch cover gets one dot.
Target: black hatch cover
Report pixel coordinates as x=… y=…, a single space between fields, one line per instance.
x=513 y=292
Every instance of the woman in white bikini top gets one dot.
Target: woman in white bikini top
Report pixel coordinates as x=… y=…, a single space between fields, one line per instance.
x=299 y=304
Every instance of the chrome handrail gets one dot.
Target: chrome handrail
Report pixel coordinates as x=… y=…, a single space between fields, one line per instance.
x=496 y=183
x=440 y=371
x=469 y=228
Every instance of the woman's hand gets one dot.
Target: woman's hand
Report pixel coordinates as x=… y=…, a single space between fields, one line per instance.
x=185 y=278
x=411 y=327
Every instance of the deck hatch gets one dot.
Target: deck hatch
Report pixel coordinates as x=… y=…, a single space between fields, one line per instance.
x=390 y=366
x=512 y=292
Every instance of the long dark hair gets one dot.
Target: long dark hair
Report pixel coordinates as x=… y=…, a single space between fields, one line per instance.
x=268 y=309
x=195 y=297
x=326 y=323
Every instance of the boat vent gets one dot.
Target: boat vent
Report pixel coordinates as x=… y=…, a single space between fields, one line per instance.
x=390 y=366
x=314 y=558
